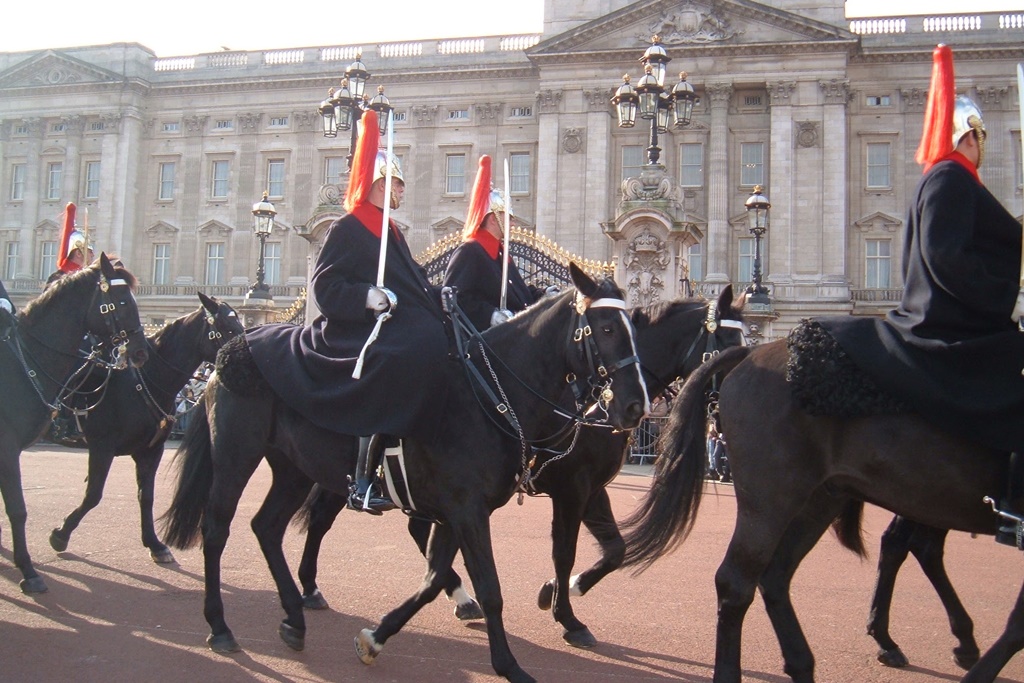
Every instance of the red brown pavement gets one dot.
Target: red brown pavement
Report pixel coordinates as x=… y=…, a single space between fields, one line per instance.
x=111 y=614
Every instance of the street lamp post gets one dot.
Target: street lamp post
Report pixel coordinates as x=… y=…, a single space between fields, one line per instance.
x=651 y=99
x=343 y=107
x=263 y=224
x=757 y=206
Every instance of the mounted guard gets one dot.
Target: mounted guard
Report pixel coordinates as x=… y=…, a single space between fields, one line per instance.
x=75 y=251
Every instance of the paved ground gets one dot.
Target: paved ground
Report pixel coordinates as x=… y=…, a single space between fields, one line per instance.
x=113 y=615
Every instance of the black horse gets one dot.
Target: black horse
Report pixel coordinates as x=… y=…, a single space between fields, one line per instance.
x=470 y=469
x=672 y=338
x=135 y=413
x=36 y=359
x=795 y=475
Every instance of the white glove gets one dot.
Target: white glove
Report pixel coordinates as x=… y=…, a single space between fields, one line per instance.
x=380 y=299
x=1018 y=310
x=551 y=290
x=499 y=316
x=6 y=305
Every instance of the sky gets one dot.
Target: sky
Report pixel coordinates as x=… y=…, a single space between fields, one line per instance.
x=188 y=27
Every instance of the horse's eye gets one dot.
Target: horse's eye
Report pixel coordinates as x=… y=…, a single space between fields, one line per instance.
x=607 y=329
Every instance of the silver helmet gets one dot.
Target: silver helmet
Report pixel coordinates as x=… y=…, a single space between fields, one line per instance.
x=967 y=117
x=498 y=204
x=380 y=167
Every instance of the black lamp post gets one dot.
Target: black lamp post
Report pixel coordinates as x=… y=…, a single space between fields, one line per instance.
x=653 y=101
x=757 y=206
x=263 y=213
x=343 y=107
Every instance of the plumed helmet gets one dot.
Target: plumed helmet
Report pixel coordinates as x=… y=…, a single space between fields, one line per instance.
x=967 y=117
x=498 y=203
x=362 y=174
x=483 y=200
x=947 y=117
x=70 y=239
x=380 y=167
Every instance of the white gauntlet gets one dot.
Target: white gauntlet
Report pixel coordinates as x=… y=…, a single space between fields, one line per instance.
x=551 y=290
x=499 y=316
x=381 y=299
x=6 y=305
x=1018 y=310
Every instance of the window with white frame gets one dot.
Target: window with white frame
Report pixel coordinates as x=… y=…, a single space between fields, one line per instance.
x=877 y=101
x=521 y=112
x=47 y=259
x=455 y=174
x=215 y=263
x=272 y=263
x=878 y=264
x=278 y=122
x=54 y=176
x=458 y=114
x=166 y=191
x=92 y=180
x=695 y=260
x=161 y=264
x=17 y=182
x=751 y=164
x=275 y=178
x=334 y=169
x=691 y=164
x=223 y=124
x=878 y=165
x=519 y=170
x=745 y=265
x=220 y=173
x=632 y=160
x=171 y=127
x=11 y=261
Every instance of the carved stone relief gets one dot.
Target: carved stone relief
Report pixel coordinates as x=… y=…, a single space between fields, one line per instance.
x=305 y=120
x=645 y=261
x=807 y=133
x=425 y=114
x=599 y=99
x=489 y=110
x=914 y=98
x=690 y=25
x=779 y=93
x=195 y=125
x=548 y=101
x=718 y=94
x=572 y=140
x=836 y=91
x=250 y=121
x=652 y=183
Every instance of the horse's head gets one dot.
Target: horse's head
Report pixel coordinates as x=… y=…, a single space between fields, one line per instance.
x=606 y=350
x=114 y=314
x=222 y=325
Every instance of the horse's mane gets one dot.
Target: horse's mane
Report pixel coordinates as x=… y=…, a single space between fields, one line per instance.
x=175 y=325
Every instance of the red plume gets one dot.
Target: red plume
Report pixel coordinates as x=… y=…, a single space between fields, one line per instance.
x=480 y=200
x=937 y=136
x=65 y=238
x=361 y=176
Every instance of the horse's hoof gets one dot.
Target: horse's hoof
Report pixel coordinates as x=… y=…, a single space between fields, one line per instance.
x=33 y=585
x=315 y=600
x=295 y=638
x=162 y=556
x=520 y=676
x=469 y=611
x=224 y=644
x=58 y=542
x=965 y=659
x=893 y=658
x=546 y=595
x=581 y=638
x=367 y=647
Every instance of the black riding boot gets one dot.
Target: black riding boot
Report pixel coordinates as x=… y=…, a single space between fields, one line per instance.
x=366 y=494
x=1013 y=502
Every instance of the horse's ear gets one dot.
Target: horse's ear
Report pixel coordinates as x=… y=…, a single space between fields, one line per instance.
x=725 y=298
x=583 y=282
x=740 y=302
x=208 y=303
x=106 y=267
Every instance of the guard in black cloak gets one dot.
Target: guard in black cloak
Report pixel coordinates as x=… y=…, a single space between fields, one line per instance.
x=475 y=268
x=402 y=388
x=952 y=349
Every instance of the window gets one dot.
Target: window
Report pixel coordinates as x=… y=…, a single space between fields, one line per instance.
x=519 y=169
x=54 y=173
x=278 y=122
x=166 y=191
x=691 y=164
x=334 y=169
x=97 y=126
x=695 y=259
x=878 y=164
x=18 y=182
x=751 y=100
x=272 y=263
x=399 y=116
x=746 y=260
x=877 y=100
x=92 y=180
x=171 y=127
x=161 y=263
x=11 y=261
x=275 y=178
x=224 y=124
x=455 y=174
x=458 y=114
x=58 y=127
x=521 y=112
x=632 y=160
x=215 y=263
x=21 y=129
x=751 y=164
x=877 y=262
x=219 y=186
x=47 y=259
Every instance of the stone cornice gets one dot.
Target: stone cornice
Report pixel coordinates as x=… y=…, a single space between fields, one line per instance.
x=923 y=55
x=688 y=52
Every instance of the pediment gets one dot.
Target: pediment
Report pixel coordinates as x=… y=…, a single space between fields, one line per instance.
x=692 y=23
x=215 y=228
x=46 y=227
x=162 y=229
x=52 y=68
x=446 y=225
x=878 y=221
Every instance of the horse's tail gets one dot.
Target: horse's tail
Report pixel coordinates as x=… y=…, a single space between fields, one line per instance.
x=847 y=527
x=667 y=512
x=195 y=477
x=318 y=504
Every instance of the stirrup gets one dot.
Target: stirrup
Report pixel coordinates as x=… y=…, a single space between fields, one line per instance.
x=1011 y=526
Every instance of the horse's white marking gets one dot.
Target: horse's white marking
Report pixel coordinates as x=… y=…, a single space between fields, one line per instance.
x=574 y=586
x=461 y=596
x=639 y=374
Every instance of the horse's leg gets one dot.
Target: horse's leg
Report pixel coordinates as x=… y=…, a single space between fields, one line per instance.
x=1008 y=644
x=567 y=512
x=100 y=460
x=147 y=460
x=895 y=547
x=288 y=490
x=14 y=503
x=466 y=608
x=324 y=510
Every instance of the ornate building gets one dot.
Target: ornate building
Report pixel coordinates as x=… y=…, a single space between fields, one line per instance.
x=168 y=155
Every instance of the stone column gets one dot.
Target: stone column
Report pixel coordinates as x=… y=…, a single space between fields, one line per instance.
x=782 y=260
x=74 y=126
x=30 y=205
x=718 y=95
x=122 y=214
x=548 y=106
x=598 y=152
x=834 y=199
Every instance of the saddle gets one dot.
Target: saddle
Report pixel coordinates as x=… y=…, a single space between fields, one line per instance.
x=826 y=383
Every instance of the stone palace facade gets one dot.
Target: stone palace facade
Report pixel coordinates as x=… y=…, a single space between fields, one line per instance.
x=167 y=155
